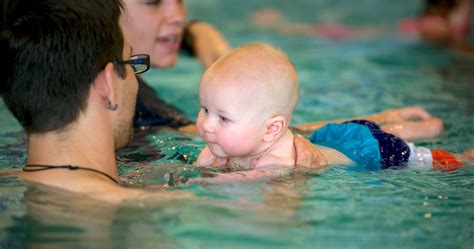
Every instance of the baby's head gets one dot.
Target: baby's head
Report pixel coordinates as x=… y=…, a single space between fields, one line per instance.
x=262 y=79
x=247 y=97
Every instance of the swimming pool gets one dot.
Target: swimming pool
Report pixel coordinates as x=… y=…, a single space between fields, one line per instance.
x=338 y=208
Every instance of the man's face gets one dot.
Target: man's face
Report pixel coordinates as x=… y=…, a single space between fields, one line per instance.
x=127 y=89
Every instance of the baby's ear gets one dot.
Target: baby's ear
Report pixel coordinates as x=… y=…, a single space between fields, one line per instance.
x=274 y=128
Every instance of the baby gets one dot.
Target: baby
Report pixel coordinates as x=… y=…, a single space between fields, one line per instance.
x=247 y=100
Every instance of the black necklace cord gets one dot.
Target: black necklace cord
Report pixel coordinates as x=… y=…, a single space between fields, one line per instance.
x=42 y=167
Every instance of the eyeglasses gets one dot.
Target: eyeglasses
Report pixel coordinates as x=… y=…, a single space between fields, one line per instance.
x=140 y=63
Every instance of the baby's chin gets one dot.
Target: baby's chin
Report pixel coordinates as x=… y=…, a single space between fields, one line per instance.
x=217 y=151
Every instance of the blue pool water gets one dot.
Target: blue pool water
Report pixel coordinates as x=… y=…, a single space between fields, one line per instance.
x=337 y=208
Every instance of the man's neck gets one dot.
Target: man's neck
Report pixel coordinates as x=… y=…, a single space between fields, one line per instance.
x=280 y=152
x=78 y=145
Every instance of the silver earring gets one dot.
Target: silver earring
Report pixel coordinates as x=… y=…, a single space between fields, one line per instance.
x=111 y=106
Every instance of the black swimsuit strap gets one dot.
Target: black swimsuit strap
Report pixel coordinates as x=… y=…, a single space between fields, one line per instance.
x=41 y=167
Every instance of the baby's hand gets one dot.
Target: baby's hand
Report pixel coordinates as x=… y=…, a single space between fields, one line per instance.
x=206 y=158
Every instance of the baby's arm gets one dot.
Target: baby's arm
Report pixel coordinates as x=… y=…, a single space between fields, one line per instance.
x=206 y=158
x=255 y=175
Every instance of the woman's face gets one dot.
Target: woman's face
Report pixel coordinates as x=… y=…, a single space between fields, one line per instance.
x=154 y=27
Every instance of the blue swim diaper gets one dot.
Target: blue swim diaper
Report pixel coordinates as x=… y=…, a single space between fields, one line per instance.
x=364 y=143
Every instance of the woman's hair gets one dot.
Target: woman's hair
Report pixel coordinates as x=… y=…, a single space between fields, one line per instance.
x=438 y=7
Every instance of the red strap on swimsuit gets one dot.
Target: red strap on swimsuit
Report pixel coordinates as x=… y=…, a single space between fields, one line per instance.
x=444 y=161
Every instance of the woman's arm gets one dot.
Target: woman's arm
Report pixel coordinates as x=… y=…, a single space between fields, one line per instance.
x=206 y=42
x=411 y=113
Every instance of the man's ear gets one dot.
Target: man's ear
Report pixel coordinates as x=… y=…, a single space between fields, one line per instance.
x=104 y=83
x=274 y=128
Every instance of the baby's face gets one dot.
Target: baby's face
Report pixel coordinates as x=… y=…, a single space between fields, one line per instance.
x=228 y=120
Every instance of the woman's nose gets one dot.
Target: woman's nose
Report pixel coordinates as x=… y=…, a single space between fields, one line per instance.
x=175 y=12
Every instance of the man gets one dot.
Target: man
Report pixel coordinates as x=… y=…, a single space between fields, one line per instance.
x=69 y=80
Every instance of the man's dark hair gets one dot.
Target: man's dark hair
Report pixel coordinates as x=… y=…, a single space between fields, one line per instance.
x=52 y=50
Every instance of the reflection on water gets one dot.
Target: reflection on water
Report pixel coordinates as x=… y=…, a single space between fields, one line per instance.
x=340 y=207
x=334 y=209
x=53 y=218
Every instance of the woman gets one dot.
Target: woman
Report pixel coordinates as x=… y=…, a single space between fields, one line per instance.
x=159 y=28
x=446 y=22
